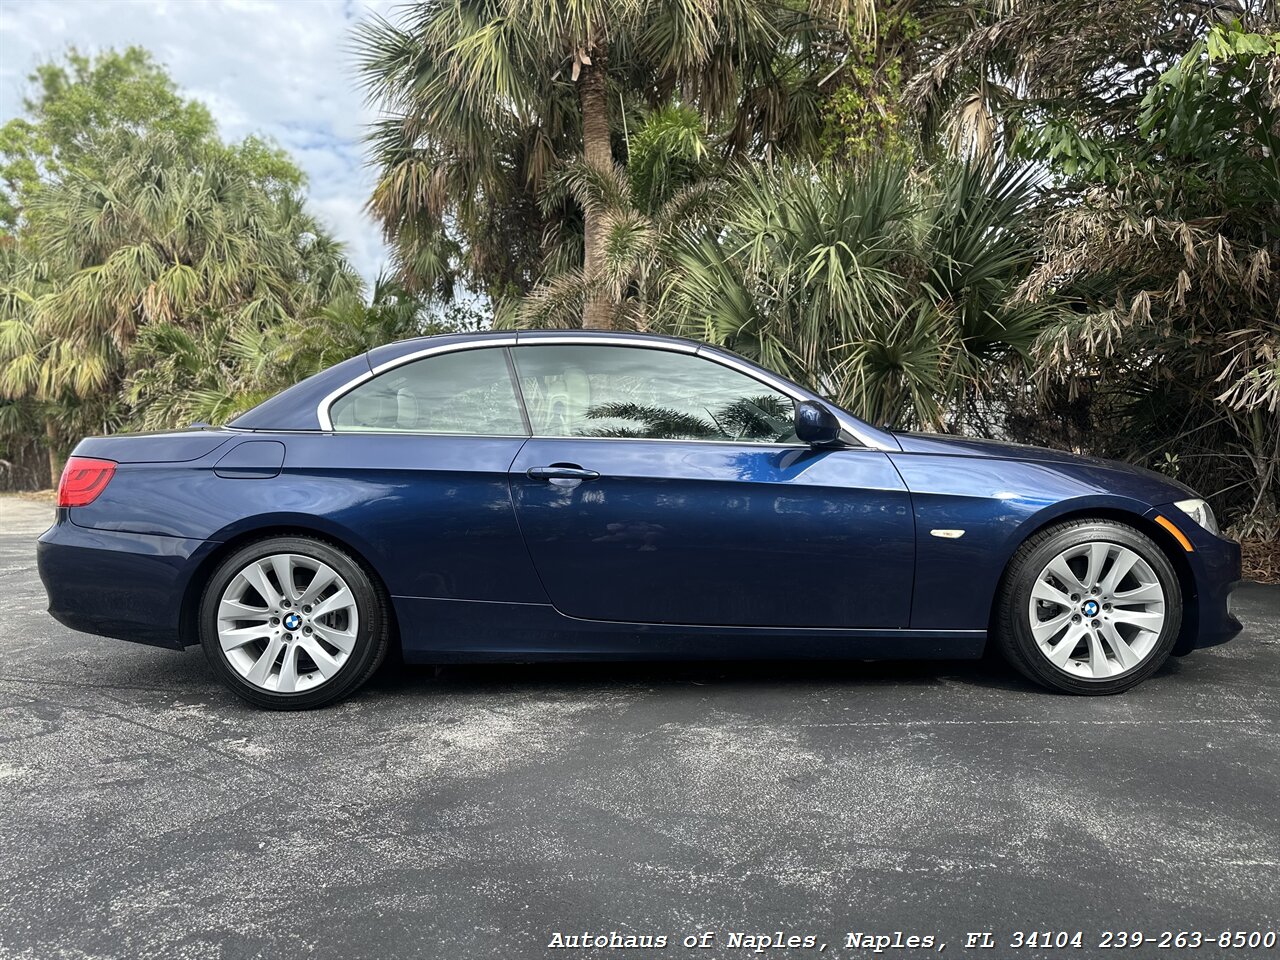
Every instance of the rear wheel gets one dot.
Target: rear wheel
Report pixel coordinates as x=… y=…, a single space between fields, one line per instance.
x=1088 y=607
x=291 y=623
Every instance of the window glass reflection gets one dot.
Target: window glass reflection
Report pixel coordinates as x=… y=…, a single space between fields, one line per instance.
x=610 y=391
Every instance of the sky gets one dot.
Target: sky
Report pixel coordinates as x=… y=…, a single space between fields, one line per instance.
x=277 y=68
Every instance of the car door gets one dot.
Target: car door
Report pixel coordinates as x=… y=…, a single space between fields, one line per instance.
x=417 y=466
x=666 y=487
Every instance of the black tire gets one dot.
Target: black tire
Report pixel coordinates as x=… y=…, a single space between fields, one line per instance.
x=1012 y=628
x=372 y=635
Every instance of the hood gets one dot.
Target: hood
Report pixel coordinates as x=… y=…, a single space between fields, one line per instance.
x=941 y=445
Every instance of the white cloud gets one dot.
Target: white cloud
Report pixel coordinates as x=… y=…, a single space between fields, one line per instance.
x=278 y=68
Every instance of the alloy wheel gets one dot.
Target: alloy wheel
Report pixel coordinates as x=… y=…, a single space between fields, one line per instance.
x=287 y=623
x=1097 y=610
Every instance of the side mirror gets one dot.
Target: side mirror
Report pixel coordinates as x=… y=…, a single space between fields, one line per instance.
x=816 y=425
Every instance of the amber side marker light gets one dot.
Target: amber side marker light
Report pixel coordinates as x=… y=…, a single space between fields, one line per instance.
x=1177 y=534
x=83 y=478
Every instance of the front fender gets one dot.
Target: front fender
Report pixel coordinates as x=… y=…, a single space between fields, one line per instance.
x=996 y=504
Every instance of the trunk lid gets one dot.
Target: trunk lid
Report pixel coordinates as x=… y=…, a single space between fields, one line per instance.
x=168 y=446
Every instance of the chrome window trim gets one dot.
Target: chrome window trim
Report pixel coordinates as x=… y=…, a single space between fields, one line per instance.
x=443 y=348
x=730 y=443
x=545 y=437
x=758 y=374
x=578 y=340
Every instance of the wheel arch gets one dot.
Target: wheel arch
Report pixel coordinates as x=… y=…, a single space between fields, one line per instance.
x=189 y=609
x=1163 y=539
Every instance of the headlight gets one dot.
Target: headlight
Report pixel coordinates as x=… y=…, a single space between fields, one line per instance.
x=1200 y=512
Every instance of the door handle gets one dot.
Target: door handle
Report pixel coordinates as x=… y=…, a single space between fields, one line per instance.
x=560 y=471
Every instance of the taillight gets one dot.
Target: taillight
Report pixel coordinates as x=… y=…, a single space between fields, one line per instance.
x=83 y=478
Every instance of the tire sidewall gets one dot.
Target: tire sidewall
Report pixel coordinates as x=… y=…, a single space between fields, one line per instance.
x=369 y=638
x=1023 y=579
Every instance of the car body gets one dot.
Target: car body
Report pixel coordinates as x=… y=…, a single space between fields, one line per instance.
x=875 y=544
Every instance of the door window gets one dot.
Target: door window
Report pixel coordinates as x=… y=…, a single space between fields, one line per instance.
x=641 y=393
x=467 y=391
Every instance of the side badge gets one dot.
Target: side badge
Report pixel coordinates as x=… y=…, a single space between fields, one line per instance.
x=948 y=534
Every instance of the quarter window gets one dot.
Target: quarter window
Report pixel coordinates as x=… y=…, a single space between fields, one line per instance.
x=635 y=392
x=467 y=391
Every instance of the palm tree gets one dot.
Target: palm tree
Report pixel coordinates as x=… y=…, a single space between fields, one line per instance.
x=347 y=326
x=167 y=241
x=482 y=99
x=893 y=293
x=39 y=375
x=167 y=238
x=182 y=376
x=666 y=190
x=215 y=373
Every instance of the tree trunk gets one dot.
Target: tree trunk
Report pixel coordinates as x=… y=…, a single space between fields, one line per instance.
x=55 y=460
x=597 y=312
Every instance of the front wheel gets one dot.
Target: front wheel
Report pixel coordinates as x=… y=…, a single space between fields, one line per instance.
x=291 y=623
x=1088 y=607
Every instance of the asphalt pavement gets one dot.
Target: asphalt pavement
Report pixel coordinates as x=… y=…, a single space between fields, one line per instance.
x=484 y=811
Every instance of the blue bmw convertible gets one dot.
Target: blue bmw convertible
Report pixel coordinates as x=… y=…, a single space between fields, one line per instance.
x=577 y=495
